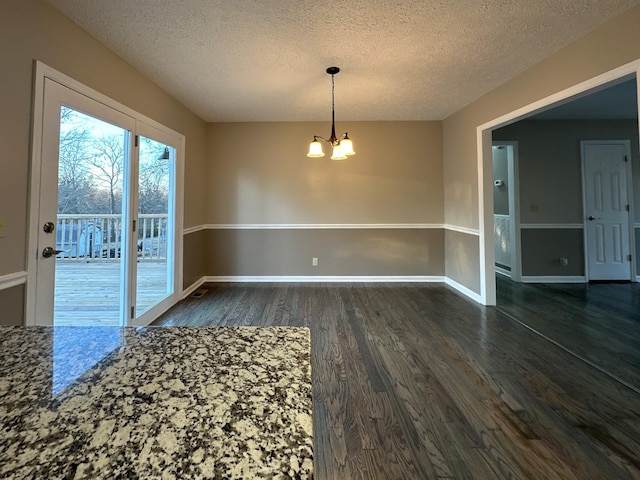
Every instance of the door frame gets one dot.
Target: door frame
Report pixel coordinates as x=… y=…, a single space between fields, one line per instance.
x=630 y=211
x=484 y=162
x=513 y=179
x=42 y=71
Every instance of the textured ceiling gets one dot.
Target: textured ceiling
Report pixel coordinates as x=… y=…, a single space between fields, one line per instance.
x=265 y=60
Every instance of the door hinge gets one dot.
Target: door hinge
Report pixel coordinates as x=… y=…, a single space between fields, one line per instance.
x=138 y=143
x=133 y=312
x=626 y=207
x=134 y=226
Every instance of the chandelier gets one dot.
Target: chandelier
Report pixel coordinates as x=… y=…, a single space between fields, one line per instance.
x=342 y=145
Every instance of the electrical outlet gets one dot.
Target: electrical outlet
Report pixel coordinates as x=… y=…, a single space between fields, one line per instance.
x=2 y=223
x=314 y=261
x=564 y=262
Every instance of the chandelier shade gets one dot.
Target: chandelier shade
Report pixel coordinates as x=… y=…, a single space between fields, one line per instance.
x=315 y=149
x=342 y=145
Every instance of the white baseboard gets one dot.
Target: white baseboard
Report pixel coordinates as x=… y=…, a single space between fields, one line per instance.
x=324 y=279
x=553 y=279
x=12 y=280
x=193 y=287
x=327 y=279
x=503 y=272
x=464 y=290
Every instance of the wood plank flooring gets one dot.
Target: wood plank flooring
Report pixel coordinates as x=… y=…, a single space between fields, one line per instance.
x=599 y=322
x=413 y=381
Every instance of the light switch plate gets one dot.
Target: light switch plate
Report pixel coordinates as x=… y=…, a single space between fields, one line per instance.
x=2 y=222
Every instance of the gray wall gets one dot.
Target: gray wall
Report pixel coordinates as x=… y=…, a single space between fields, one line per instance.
x=551 y=186
x=340 y=252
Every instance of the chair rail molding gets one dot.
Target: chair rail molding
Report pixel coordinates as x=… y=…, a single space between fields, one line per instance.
x=12 y=280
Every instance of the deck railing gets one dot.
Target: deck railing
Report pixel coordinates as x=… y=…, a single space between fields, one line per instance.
x=99 y=237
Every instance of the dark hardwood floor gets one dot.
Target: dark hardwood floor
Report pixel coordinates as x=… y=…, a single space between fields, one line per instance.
x=413 y=381
x=598 y=322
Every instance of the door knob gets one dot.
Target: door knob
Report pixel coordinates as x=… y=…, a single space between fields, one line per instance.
x=48 y=227
x=50 y=252
x=591 y=218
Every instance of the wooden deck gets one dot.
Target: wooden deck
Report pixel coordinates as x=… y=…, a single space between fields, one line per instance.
x=89 y=293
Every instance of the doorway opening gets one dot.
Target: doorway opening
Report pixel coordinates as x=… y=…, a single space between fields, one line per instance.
x=530 y=226
x=506 y=209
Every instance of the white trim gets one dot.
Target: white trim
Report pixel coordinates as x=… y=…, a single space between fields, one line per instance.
x=485 y=171
x=327 y=226
x=462 y=289
x=602 y=80
x=196 y=285
x=553 y=279
x=468 y=231
x=551 y=226
x=312 y=226
x=13 y=280
x=198 y=228
x=323 y=279
x=486 y=242
x=502 y=271
x=336 y=279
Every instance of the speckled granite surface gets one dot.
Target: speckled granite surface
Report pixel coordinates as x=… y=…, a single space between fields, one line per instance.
x=154 y=402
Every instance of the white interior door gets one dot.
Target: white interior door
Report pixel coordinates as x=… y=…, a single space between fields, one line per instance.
x=605 y=167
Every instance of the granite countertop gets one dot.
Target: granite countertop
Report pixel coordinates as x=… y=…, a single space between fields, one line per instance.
x=155 y=402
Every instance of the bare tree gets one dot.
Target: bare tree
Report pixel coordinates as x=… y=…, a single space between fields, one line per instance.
x=107 y=165
x=75 y=186
x=153 y=178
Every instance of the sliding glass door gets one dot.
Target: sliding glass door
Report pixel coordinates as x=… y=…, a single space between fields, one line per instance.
x=155 y=224
x=106 y=215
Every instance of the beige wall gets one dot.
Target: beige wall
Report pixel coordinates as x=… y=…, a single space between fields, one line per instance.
x=259 y=174
x=614 y=44
x=32 y=29
x=194 y=258
x=461 y=263
x=12 y=306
